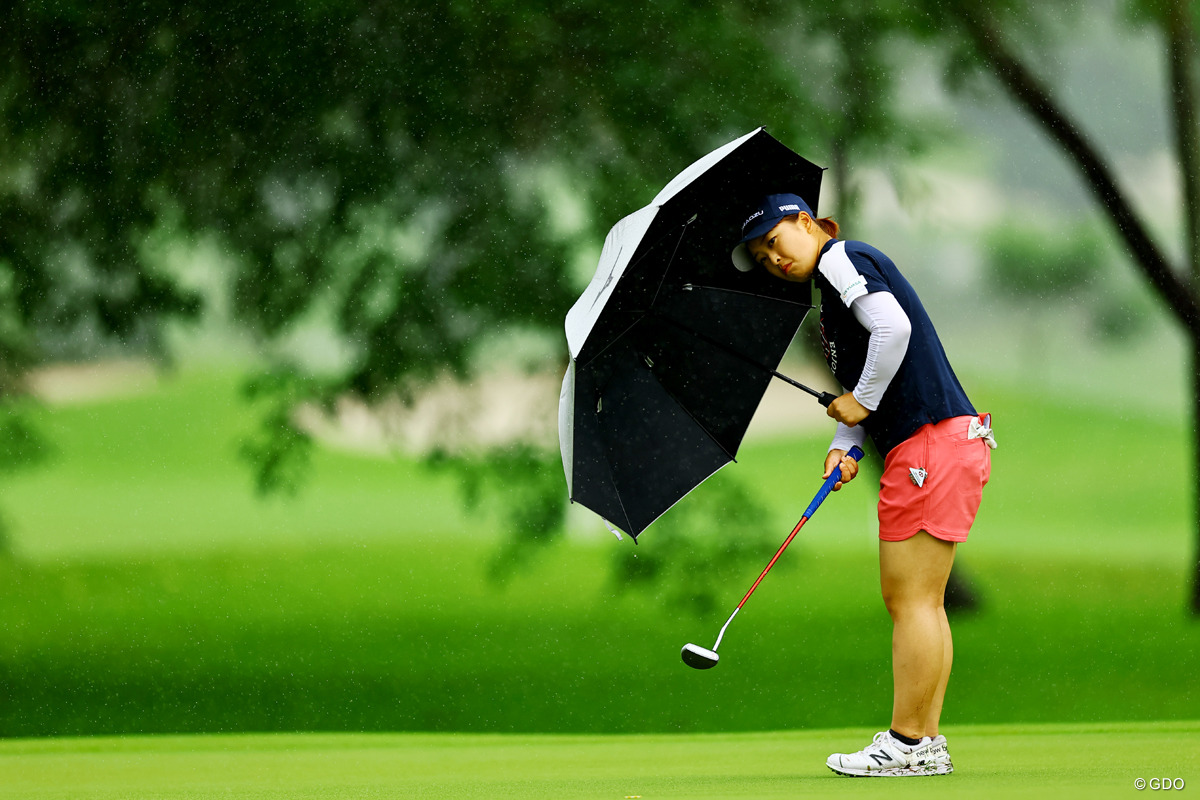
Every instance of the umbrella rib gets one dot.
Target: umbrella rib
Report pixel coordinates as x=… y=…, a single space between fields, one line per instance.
x=727 y=349
x=646 y=251
x=692 y=416
x=688 y=287
x=624 y=511
x=616 y=493
x=671 y=260
x=611 y=342
x=632 y=264
x=709 y=340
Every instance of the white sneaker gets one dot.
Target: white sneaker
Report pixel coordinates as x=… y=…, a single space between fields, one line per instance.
x=887 y=757
x=941 y=756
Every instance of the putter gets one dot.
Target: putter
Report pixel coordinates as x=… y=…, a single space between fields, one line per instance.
x=698 y=657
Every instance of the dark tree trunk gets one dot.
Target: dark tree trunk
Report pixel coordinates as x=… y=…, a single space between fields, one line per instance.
x=1194 y=475
x=1176 y=287
x=1181 y=61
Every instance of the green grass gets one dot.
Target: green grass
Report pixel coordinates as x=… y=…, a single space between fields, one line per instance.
x=159 y=473
x=1061 y=762
x=415 y=638
x=150 y=592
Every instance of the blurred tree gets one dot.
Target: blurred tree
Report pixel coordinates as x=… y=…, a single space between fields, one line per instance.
x=1029 y=263
x=410 y=172
x=716 y=533
x=1001 y=40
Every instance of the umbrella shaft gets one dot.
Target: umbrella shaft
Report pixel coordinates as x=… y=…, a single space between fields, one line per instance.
x=824 y=397
x=797 y=384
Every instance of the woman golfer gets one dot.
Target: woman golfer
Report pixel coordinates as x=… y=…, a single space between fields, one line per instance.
x=878 y=340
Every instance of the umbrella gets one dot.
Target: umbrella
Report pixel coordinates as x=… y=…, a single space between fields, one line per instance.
x=672 y=348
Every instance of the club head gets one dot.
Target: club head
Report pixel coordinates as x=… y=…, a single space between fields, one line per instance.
x=698 y=657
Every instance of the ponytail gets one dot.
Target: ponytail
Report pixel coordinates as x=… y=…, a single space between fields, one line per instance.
x=828 y=225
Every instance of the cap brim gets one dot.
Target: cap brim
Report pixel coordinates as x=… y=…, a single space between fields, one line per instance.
x=741 y=258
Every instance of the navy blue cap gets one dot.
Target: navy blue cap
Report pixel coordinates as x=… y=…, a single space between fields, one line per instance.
x=773 y=208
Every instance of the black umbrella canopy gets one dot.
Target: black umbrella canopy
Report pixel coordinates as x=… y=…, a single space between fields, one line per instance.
x=679 y=352
x=696 y=228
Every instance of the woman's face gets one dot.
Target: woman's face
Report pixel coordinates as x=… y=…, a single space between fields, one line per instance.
x=790 y=249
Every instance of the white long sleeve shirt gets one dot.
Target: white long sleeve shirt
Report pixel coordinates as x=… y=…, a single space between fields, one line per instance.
x=890 y=329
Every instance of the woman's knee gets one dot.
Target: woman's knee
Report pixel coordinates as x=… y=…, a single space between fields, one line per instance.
x=913 y=573
x=907 y=600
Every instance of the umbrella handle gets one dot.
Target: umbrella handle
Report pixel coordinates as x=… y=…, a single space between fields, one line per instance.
x=825 y=398
x=856 y=453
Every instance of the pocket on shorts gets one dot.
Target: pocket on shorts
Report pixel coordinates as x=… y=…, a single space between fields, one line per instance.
x=975 y=461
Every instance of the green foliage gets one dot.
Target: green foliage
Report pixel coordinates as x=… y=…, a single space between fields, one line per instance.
x=355 y=149
x=15 y=345
x=525 y=484
x=1032 y=264
x=397 y=169
x=1120 y=316
x=1158 y=11
x=390 y=168
x=371 y=158
x=704 y=545
x=1028 y=260
x=278 y=451
x=22 y=444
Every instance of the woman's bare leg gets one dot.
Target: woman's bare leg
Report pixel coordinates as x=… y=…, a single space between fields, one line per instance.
x=913 y=575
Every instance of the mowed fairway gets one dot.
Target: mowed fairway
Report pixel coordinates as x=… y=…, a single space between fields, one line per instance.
x=148 y=591
x=1059 y=761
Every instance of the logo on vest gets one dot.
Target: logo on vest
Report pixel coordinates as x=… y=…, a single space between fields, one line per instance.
x=828 y=348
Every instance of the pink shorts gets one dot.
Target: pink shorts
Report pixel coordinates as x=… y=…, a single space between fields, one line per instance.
x=933 y=481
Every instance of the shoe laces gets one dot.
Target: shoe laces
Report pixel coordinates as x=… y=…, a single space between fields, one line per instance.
x=878 y=741
x=888 y=744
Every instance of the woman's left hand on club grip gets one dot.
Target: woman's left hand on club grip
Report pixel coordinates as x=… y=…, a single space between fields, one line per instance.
x=848 y=466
